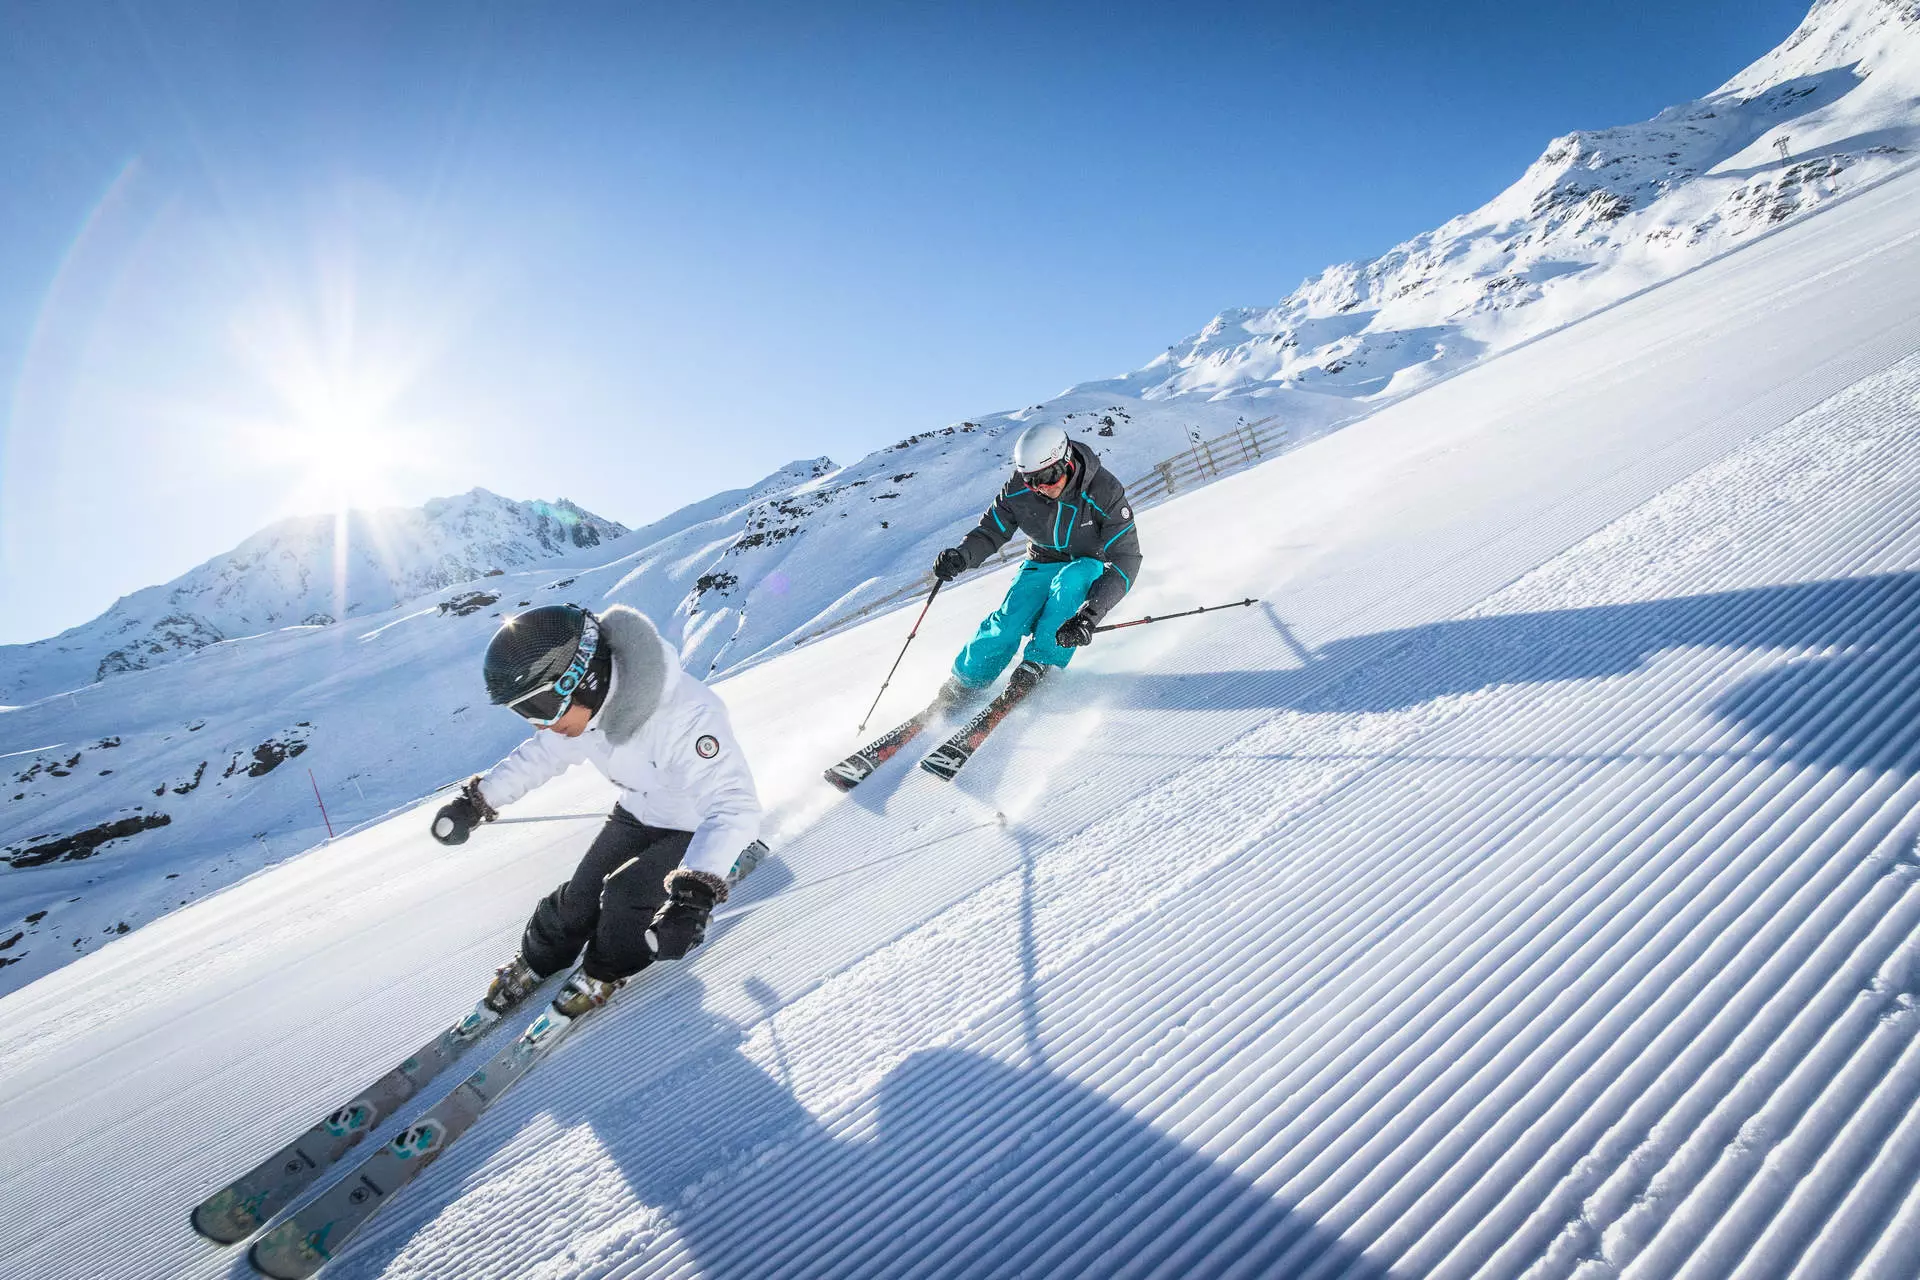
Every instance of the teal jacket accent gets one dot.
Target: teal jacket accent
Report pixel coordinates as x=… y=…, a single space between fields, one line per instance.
x=1092 y=519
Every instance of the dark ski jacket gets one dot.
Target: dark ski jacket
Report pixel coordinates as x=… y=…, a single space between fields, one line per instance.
x=1091 y=519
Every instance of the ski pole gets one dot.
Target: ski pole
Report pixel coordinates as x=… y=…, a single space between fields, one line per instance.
x=1141 y=622
x=937 y=584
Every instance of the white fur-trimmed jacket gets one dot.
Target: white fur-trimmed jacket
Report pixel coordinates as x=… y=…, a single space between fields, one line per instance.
x=663 y=738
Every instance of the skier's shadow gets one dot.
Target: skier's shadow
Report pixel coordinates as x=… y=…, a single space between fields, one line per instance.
x=1853 y=706
x=957 y=1164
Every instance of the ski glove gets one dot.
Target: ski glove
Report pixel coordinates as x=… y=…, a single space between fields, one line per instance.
x=455 y=821
x=950 y=564
x=681 y=925
x=1075 y=631
x=458 y=817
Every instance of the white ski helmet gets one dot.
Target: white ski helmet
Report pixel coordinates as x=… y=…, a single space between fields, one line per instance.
x=1039 y=447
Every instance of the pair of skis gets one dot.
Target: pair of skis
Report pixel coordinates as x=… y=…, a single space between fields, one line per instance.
x=946 y=760
x=308 y=1240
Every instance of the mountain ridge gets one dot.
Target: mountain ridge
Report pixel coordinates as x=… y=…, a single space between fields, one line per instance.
x=297 y=572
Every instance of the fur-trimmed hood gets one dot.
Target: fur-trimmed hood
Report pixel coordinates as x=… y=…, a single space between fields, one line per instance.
x=644 y=668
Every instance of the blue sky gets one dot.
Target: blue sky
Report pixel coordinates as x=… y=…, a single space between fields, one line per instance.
x=260 y=258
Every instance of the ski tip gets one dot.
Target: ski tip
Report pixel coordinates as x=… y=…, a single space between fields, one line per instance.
x=263 y=1264
x=204 y=1229
x=849 y=773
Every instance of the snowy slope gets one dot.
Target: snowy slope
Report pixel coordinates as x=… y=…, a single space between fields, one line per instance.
x=1528 y=889
x=305 y=571
x=135 y=795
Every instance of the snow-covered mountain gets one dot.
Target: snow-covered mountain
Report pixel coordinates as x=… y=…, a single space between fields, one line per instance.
x=1599 y=215
x=172 y=766
x=306 y=571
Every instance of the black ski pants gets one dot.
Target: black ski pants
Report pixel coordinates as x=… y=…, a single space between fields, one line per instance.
x=608 y=904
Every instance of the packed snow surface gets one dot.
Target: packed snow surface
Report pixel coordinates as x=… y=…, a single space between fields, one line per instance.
x=1528 y=887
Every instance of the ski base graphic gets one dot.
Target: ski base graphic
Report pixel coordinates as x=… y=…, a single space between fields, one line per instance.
x=946 y=760
x=856 y=768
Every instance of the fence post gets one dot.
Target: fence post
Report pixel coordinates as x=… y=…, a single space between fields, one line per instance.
x=1165 y=468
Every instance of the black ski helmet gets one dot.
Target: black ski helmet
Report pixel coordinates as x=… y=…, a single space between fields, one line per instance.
x=532 y=650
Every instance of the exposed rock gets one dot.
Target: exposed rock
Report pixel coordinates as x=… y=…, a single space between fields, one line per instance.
x=466 y=602
x=269 y=755
x=81 y=844
x=722 y=583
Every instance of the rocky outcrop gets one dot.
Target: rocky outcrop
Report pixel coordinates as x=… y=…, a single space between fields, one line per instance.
x=73 y=847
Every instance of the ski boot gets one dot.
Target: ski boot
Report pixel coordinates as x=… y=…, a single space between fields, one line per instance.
x=953 y=694
x=1028 y=674
x=581 y=994
x=512 y=982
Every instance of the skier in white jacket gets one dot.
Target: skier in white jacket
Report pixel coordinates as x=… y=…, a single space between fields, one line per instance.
x=609 y=690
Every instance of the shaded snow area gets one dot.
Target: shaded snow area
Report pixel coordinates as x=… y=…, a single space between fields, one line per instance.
x=186 y=738
x=1527 y=888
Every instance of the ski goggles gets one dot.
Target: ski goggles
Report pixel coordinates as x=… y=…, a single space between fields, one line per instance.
x=545 y=705
x=1052 y=473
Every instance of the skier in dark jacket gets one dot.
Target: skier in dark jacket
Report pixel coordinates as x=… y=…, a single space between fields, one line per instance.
x=1084 y=554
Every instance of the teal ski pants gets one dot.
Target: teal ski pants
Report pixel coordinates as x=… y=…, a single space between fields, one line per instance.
x=1041 y=598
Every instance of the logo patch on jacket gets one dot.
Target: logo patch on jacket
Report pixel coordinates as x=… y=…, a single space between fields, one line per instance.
x=706 y=746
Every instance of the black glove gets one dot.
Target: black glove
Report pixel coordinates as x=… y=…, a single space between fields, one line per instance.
x=1075 y=631
x=459 y=816
x=456 y=820
x=681 y=925
x=950 y=564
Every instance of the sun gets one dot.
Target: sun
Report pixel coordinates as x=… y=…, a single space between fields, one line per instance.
x=344 y=456
x=333 y=355
x=332 y=428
